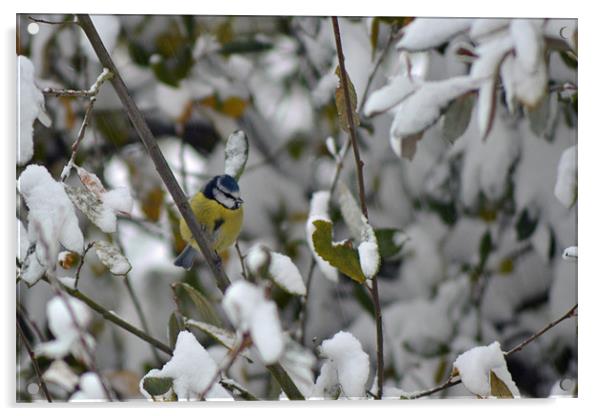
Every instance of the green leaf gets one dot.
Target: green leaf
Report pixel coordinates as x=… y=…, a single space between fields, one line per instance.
x=485 y=248
x=174 y=327
x=340 y=102
x=526 y=225
x=157 y=386
x=457 y=117
x=203 y=306
x=498 y=387
x=390 y=241
x=236 y=154
x=341 y=255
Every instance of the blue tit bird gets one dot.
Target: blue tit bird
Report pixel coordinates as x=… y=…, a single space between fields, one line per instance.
x=218 y=208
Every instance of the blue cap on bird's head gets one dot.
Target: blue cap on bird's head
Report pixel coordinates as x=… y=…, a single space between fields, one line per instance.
x=224 y=189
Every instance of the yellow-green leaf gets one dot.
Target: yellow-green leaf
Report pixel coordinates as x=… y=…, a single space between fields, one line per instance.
x=340 y=102
x=342 y=256
x=499 y=388
x=203 y=306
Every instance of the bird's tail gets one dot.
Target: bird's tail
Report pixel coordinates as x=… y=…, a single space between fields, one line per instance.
x=186 y=258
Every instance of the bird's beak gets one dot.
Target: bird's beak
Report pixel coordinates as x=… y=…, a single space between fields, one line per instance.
x=239 y=201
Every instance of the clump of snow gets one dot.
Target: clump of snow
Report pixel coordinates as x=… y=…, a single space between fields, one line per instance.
x=390 y=95
x=52 y=219
x=475 y=365
x=61 y=374
x=90 y=389
x=347 y=367
x=236 y=153
x=426 y=33
x=192 y=369
x=65 y=330
x=257 y=258
x=369 y=258
x=318 y=210
x=570 y=253
x=286 y=274
x=249 y=311
x=566 y=179
x=30 y=106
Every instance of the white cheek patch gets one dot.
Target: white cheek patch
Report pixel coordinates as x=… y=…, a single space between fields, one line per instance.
x=224 y=200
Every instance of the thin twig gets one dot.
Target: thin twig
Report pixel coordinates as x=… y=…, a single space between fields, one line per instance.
x=57 y=92
x=141 y=316
x=242 y=261
x=155 y=153
x=232 y=355
x=360 y=182
x=81 y=263
x=34 y=362
x=452 y=381
x=571 y=312
x=49 y=22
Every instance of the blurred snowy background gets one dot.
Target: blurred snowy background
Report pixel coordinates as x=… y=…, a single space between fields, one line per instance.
x=485 y=220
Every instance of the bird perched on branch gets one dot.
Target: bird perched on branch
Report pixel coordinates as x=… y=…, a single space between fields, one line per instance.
x=218 y=208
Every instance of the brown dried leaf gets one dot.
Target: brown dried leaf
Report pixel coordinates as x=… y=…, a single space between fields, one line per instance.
x=340 y=102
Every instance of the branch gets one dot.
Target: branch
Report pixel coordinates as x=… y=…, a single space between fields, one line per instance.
x=152 y=147
x=452 y=381
x=232 y=355
x=34 y=362
x=360 y=182
x=242 y=261
x=112 y=317
x=81 y=263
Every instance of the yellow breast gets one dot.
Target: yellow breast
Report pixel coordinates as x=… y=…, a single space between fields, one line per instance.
x=221 y=224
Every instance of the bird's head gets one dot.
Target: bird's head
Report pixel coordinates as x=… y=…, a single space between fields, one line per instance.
x=224 y=189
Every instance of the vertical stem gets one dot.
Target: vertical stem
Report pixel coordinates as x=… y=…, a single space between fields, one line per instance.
x=141 y=316
x=34 y=362
x=360 y=182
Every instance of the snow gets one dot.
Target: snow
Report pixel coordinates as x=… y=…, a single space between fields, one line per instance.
x=566 y=179
x=60 y=373
x=65 y=330
x=422 y=109
x=475 y=364
x=298 y=362
x=369 y=258
x=192 y=369
x=30 y=106
x=257 y=258
x=68 y=281
x=249 y=311
x=490 y=55
x=425 y=33
x=332 y=147
x=286 y=274
x=385 y=98
x=118 y=199
x=482 y=27
x=237 y=152
x=528 y=43
x=318 y=210
x=570 y=253
x=108 y=27
x=90 y=389
x=52 y=219
x=347 y=366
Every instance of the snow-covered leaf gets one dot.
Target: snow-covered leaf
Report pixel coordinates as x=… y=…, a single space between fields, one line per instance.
x=61 y=374
x=339 y=255
x=484 y=27
x=30 y=106
x=249 y=311
x=423 y=108
x=319 y=211
x=475 y=366
x=286 y=274
x=90 y=389
x=203 y=306
x=486 y=103
x=52 y=219
x=102 y=216
x=236 y=154
x=426 y=33
x=298 y=362
x=347 y=366
x=566 y=179
x=192 y=370
x=387 y=97
x=570 y=253
x=341 y=102
x=528 y=43
x=112 y=258
x=356 y=222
